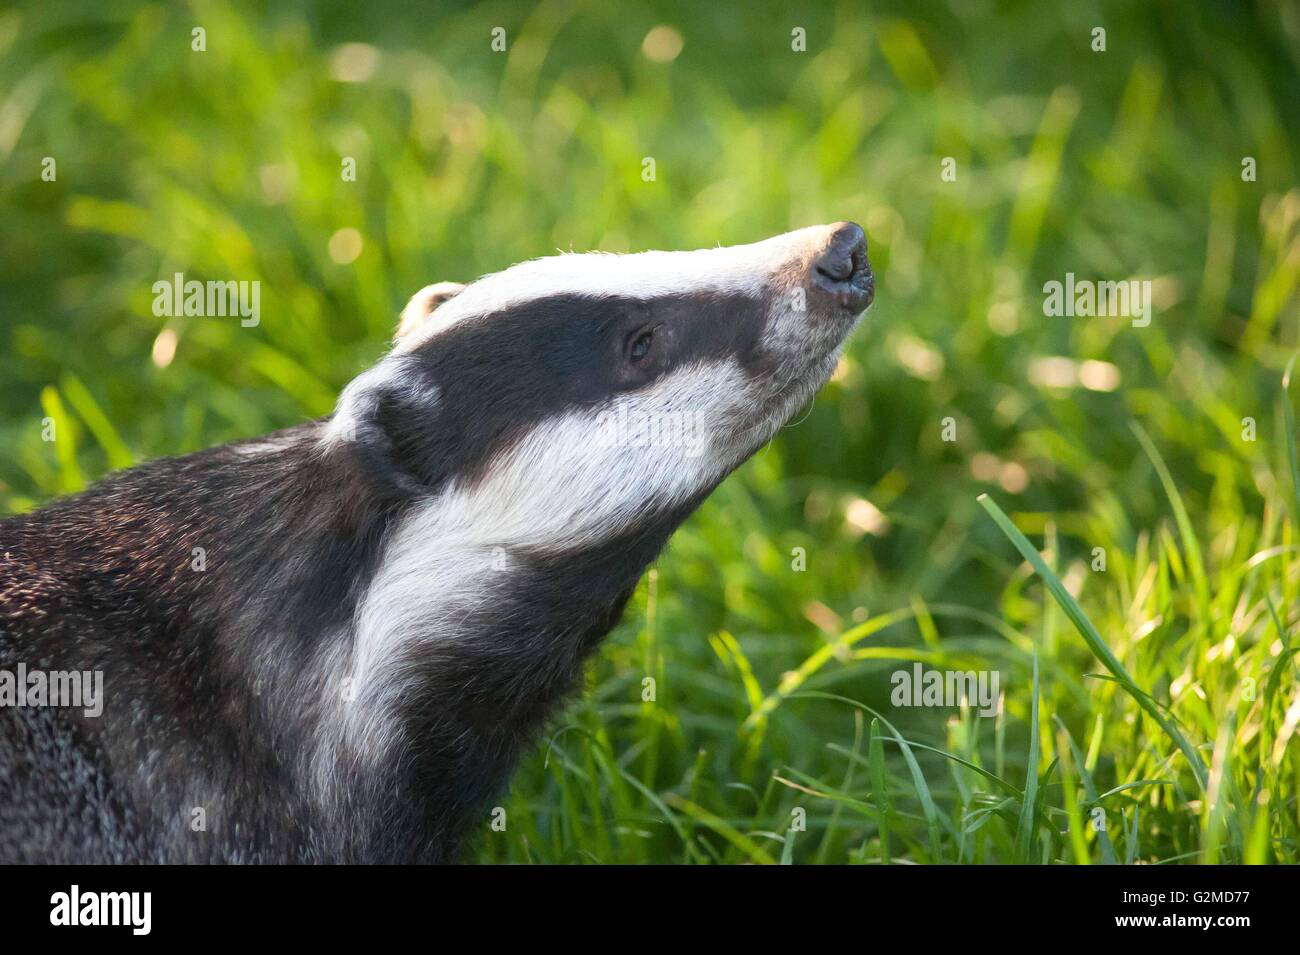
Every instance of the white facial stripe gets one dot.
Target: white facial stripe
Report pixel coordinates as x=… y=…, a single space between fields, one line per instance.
x=582 y=477
x=738 y=269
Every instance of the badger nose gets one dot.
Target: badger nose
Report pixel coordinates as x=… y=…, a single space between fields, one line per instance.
x=841 y=268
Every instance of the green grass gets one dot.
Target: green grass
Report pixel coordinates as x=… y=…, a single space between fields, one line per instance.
x=1159 y=695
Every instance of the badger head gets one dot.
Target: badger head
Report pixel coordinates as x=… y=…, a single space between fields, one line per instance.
x=539 y=433
x=570 y=399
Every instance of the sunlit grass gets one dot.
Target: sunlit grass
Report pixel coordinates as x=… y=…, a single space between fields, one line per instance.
x=1150 y=709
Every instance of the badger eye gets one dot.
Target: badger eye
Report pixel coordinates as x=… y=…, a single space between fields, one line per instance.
x=640 y=346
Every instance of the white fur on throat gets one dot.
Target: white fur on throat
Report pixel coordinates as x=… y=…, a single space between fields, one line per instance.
x=564 y=486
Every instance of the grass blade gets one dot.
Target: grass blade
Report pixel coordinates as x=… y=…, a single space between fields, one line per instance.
x=1196 y=565
x=1090 y=793
x=1288 y=419
x=752 y=850
x=1096 y=644
x=879 y=795
x=1025 y=830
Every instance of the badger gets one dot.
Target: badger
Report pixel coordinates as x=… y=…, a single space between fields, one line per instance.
x=334 y=642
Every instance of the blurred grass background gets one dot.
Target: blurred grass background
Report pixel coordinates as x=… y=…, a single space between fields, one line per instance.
x=761 y=743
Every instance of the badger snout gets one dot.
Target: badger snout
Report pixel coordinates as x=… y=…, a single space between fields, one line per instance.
x=841 y=270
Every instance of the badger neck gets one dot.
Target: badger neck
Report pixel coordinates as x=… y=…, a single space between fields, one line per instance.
x=350 y=674
x=463 y=646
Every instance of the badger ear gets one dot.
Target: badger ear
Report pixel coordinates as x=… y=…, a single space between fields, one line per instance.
x=388 y=417
x=422 y=304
